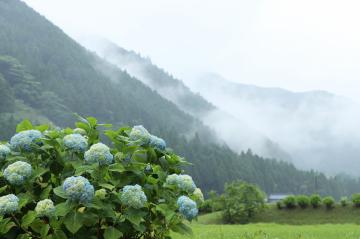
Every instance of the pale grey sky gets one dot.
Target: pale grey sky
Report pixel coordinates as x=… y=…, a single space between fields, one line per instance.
x=297 y=45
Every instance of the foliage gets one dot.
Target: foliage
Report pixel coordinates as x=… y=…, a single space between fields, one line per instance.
x=280 y=204
x=303 y=201
x=356 y=199
x=315 y=200
x=51 y=187
x=241 y=202
x=344 y=201
x=329 y=202
x=290 y=202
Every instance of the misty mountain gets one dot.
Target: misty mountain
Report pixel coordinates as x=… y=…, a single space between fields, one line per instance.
x=47 y=76
x=237 y=134
x=317 y=128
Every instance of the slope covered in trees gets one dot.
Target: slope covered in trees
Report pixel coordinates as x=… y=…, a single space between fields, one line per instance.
x=47 y=76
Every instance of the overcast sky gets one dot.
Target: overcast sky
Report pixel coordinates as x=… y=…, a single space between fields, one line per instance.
x=297 y=45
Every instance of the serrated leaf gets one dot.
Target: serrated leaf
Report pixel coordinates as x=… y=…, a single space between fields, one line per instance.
x=117 y=167
x=42 y=127
x=73 y=221
x=112 y=233
x=107 y=186
x=182 y=229
x=24 y=125
x=59 y=191
x=62 y=209
x=135 y=216
x=28 y=218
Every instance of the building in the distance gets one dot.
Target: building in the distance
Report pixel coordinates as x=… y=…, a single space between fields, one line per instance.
x=277 y=197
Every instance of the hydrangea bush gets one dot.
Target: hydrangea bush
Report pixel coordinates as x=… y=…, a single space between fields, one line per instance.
x=66 y=183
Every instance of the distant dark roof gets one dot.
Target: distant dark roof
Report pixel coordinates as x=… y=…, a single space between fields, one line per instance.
x=277 y=196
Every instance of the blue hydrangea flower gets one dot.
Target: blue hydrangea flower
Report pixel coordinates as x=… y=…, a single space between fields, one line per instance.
x=133 y=196
x=4 y=151
x=99 y=153
x=140 y=134
x=45 y=208
x=187 y=207
x=183 y=182
x=16 y=173
x=78 y=188
x=75 y=143
x=157 y=142
x=8 y=204
x=24 y=139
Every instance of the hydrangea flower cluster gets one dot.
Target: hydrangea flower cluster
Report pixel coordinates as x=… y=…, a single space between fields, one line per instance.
x=4 y=151
x=199 y=195
x=99 y=153
x=183 y=182
x=75 y=143
x=24 y=139
x=157 y=142
x=16 y=173
x=45 y=208
x=187 y=207
x=8 y=204
x=133 y=196
x=78 y=188
x=139 y=133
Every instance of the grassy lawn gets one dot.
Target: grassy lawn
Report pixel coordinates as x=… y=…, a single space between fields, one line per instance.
x=338 y=223
x=274 y=231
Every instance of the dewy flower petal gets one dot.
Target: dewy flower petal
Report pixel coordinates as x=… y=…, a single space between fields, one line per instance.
x=8 y=204
x=75 y=143
x=133 y=196
x=24 y=139
x=16 y=173
x=99 y=153
x=78 y=188
x=187 y=207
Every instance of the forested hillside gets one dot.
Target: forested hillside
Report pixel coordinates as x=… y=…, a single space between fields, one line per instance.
x=169 y=87
x=47 y=76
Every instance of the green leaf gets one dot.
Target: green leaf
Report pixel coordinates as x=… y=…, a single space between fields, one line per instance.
x=112 y=233
x=107 y=186
x=28 y=218
x=24 y=198
x=59 y=191
x=24 y=125
x=135 y=216
x=84 y=168
x=5 y=225
x=117 y=167
x=182 y=229
x=2 y=189
x=166 y=210
x=140 y=156
x=73 y=221
x=59 y=234
x=62 y=209
x=44 y=230
x=42 y=127
x=92 y=121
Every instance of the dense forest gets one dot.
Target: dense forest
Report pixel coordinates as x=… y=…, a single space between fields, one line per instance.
x=47 y=77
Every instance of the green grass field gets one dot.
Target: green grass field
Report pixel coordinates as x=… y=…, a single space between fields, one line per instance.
x=338 y=223
x=274 y=231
